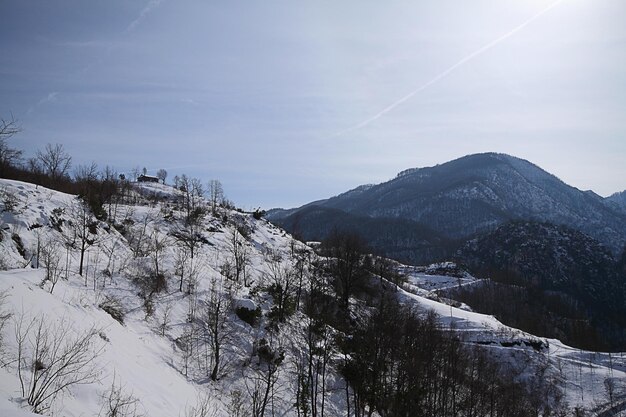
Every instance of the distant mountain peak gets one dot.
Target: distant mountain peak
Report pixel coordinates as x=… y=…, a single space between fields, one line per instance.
x=481 y=160
x=617 y=201
x=478 y=192
x=407 y=172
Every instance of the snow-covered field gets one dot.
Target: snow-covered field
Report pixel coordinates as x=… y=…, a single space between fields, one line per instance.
x=144 y=355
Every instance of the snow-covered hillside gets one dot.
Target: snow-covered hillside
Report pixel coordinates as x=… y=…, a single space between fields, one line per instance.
x=144 y=308
x=143 y=355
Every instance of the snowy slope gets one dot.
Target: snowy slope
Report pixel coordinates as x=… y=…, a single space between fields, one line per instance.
x=144 y=355
x=583 y=375
x=145 y=363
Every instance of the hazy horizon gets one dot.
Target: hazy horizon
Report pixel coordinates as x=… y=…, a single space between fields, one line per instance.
x=289 y=103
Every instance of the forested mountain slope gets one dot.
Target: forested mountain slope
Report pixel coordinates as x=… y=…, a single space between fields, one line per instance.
x=474 y=194
x=550 y=280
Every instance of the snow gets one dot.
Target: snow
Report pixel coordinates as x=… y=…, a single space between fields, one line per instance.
x=146 y=360
x=138 y=357
x=430 y=282
x=246 y=304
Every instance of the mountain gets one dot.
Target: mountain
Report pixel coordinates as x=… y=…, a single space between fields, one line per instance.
x=555 y=257
x=476 y=193
x=566 y=280
x=618 y=201
x=398 y=238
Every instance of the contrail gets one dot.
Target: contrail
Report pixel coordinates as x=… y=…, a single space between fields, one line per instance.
x=147 y=9
x=151 y=5
x=50 y=97
x=445 y=73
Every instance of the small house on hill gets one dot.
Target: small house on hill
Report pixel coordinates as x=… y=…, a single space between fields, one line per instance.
x=147 y=178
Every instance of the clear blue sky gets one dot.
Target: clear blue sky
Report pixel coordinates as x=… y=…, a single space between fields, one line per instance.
x=287 y=102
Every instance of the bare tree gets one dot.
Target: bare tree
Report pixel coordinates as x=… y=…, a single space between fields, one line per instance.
x=162 y=175
x=9 y=200
x=138 y=234
x=86 y=173
x=216 y=195
x=197 y=188
x=4 y=317
x=301 y=258
x=202 y=408
x=609 y=386
x=111 y=177
x=192 y=192
x=189 y=235
x=116 y=403
x=281 y=283
x=240 y=255
x=158 y=243
x=316 y=341
x=135 y=172
x=109 y=251
x=215 y=318
x=166 y=318
x=8 y=128
x=261 y=392
x=181 y=261
x=85 y=228
x=236 y=405
x=54 y=161
x=191 y=280
x=52 y=262
x=187 y=345
x=346 y=261
x=8 y=155
x=55 y=360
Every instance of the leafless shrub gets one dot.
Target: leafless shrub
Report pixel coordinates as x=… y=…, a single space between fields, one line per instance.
x=116 y=403
x=50 y=360
x=203 y=408
x=52 y=263
x=5 y=316
x=166 y=318
x=9 y=200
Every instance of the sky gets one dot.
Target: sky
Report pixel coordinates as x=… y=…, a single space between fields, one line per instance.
x=288 y=102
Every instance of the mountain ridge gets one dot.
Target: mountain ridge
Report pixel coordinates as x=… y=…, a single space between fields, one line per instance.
x=475 y=194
